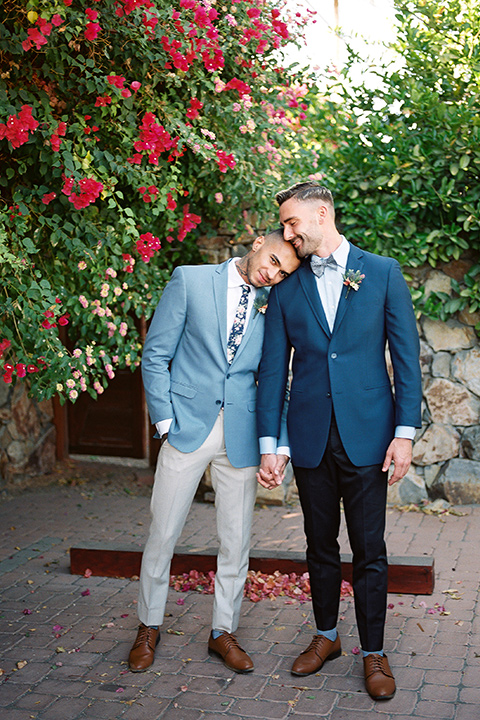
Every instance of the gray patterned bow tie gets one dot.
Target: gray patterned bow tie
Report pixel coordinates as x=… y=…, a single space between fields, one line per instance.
x=319 y=264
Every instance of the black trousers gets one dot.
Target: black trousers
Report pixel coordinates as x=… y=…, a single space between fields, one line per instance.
x=364 y=493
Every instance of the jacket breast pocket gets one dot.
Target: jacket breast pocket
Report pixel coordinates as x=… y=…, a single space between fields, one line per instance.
x=188 y=391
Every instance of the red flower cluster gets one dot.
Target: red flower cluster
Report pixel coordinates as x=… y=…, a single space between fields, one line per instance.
x=235 y=84
x=55 y=139
x=18 y=126
x=21 y=370
x=89 y=188
x=148 y=192
x=129 y=262
x=48 y=197
x=195 y=106
x=225 y=160
x=154 y=139
x=91 y=30
x=4 y=345
x=103 y=101
x=147 y=245
x=50 y=319
x=188 y=222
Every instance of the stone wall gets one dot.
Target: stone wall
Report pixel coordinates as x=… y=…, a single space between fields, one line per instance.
x=27 y=435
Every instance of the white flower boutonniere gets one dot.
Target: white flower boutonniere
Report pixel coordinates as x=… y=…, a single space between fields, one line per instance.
x=352 y=279
x=261 y=302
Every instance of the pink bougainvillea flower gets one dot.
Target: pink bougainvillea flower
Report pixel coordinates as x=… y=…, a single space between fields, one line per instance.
x=85 y=593
x=103 y=101
x=135 y=85
x=32 y=369
x=91 y=30
x=26 y=612
x=4 y=345
x=91 y=14
x=17 y=127
x=355 y=650
x=195 y=106
x=21 y=370
x=57 y=20
x=171 y=203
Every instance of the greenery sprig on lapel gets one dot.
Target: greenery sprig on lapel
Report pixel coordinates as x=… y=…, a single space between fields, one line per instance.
x=261 y=302
x=352 y=279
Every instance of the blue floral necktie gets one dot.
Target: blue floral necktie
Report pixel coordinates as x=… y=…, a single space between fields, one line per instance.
x=319 y=264
x=236 y=332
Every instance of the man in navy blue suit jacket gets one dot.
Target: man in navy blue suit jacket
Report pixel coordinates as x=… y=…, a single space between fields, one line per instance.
x=346 y=427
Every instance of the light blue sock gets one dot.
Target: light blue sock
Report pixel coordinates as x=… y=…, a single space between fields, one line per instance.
x=216 y=633
x=372 y=652
x=329 y=634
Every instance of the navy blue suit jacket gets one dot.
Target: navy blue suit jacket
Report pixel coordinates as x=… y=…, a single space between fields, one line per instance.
x=344 y=369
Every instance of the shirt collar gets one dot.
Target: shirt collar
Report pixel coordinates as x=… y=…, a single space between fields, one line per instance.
x=341 y=253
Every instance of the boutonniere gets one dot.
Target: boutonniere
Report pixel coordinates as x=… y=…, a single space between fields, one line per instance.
x=261 y=302
x=352 y=279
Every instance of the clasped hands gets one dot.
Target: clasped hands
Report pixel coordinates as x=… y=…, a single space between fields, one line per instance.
x=272 y=470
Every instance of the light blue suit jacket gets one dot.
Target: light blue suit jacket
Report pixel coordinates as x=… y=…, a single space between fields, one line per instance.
x=185 y=370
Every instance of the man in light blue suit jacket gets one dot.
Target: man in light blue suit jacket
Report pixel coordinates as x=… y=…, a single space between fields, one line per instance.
x=337 y=314
x=199 y=367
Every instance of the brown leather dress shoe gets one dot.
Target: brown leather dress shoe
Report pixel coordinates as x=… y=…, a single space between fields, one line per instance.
x=143 y=650
x=319 y=650
x=234 y=657
x=379 y=679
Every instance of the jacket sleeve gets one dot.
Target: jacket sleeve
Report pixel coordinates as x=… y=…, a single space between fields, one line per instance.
x=404 y=346
x=273 y=374
x=162 y=340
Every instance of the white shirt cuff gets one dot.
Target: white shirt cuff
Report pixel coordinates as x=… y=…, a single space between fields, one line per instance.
x=283 y=450
x=405 y=431
x=267 y=445
x=163 y=426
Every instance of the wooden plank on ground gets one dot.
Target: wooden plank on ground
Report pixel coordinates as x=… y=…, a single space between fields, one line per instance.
x=409 y=575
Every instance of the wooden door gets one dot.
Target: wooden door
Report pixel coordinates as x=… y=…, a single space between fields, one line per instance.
x=113 y=424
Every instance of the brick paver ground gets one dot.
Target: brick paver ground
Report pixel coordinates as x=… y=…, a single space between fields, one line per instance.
x=64 y=639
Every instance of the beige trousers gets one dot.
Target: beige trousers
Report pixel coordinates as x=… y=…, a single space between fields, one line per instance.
x=176 y=480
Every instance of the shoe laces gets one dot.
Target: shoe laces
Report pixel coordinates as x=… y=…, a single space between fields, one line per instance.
x=146 y=635
x=316 y=643
x=377 y=665
x=231 y=641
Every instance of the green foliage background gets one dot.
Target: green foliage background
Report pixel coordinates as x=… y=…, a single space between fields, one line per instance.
x=399 y=146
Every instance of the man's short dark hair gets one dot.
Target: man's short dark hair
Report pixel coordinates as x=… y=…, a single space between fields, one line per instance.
x=276 y=234
x=305 y=190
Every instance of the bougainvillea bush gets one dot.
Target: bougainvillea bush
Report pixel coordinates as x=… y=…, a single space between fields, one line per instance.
x=125 y=128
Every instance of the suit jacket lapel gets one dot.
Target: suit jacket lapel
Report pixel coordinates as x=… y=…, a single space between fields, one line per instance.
x=309 y=285
x=220 y=285
x=354 y=262
x=253 y=322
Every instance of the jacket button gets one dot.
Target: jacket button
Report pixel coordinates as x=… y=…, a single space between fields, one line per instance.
x=333 y=356
x=329 y=395
x=218 y=402
x=228 y=376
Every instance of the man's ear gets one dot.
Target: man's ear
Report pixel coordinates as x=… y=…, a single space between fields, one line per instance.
x=322 y=212
x=257 y=243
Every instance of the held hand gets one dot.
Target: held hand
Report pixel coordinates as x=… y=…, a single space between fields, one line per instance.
x=163 y=438
x=282 y=462
x=400 y=453
x=267 y=474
